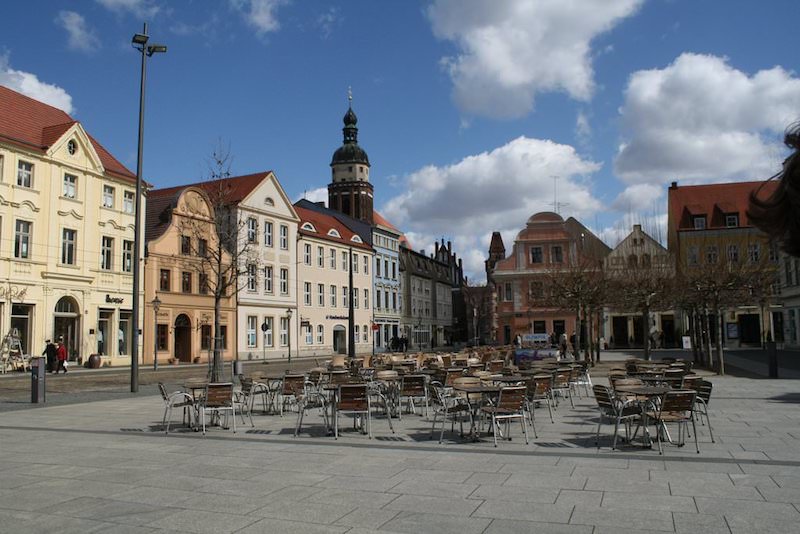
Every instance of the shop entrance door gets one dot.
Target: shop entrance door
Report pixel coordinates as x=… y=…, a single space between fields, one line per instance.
x=183 y=338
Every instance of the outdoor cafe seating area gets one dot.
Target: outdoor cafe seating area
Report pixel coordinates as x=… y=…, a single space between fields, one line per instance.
x=474 y=396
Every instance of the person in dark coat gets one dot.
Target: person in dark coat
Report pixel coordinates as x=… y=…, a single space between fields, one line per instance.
x=61 y=355
x=50 y=353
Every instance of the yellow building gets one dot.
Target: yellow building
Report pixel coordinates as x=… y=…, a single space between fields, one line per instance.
x=180 y=270
x=66 y=229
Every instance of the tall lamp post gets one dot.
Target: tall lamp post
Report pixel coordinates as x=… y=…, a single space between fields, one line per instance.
x=139 y=42
x=351 y=332
x=156 y=303
x=289 y=332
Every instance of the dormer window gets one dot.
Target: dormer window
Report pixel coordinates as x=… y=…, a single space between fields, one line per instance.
x=699 y=222
x=308 y=227
x=356 y=239
x=732 y=220
x=269 y=202
x=334 y=233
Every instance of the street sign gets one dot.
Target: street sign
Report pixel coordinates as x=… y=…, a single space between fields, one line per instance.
x=375 y=327
x=264 y=326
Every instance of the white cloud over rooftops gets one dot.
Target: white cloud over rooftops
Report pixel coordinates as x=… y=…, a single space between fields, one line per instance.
x=30 y=85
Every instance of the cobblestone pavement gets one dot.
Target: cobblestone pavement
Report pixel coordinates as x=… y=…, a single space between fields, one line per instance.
x=108 y=467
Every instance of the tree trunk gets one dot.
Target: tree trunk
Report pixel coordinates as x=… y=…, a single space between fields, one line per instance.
x=693 y=335
x=599 y=332
x=646 y=332
x=577 y=348
x=587 y=355
x=707 y=339
x=720 y=342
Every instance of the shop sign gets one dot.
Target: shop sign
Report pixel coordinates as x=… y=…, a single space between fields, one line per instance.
x=113 y=300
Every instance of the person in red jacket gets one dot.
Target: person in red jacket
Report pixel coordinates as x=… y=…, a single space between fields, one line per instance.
x=61 y=354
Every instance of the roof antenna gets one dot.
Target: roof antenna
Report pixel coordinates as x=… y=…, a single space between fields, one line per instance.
x=556 y=204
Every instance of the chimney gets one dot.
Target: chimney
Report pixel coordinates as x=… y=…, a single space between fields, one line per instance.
x=674 y=185
x=320 y=203
x=637 y=227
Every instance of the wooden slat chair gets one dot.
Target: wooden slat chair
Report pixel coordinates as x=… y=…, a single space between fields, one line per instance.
x=412 y=387
x=616 y=409
x=218 y=398
x=291 y=387
x=177 y=399
x=562 y=385
x=451 y=375
x=540 y=390
x=353 y=399
x=703 y=389
x=448 y=406
x=495 y=366
x=676 y=407
x=510 y=405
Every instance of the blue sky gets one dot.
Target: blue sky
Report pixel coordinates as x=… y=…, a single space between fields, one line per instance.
x=468 y=109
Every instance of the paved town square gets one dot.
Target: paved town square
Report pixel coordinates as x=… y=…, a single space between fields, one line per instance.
x=107 y=466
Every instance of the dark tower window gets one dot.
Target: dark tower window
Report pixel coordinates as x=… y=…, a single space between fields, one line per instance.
x=345 y=204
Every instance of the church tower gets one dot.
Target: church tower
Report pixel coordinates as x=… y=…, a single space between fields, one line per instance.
x=350 y=191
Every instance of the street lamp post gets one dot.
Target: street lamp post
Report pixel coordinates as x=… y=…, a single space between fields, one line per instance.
x=156 y=305
x=289 y=332
x=139 y=42
x=351 y=334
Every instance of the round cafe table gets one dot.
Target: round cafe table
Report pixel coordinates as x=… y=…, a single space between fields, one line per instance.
x=650 y=393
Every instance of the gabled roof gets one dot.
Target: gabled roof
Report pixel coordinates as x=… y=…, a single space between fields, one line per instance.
x=36 y=126
x=324 y=223
x=160 y=203
x=364 y=230
x=236 y=188
x=710 y=198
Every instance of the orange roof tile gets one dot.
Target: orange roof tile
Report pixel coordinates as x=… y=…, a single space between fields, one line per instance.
x=324 y=223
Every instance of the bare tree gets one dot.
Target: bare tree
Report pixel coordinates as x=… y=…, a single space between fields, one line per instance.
x=219 y=245
x=478 y=301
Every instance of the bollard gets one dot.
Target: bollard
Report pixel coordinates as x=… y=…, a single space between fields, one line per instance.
x=38 y=374
x=772 y=357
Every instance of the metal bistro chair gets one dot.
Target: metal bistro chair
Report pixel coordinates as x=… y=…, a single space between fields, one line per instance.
x=218 y=398
x=539 y=390
x=703 y=389
x=353 y=399
x=562 y=385
x=292 y=386
x=311 y=398
x=412 y=387
x=510 y=405
x=619 y=410
x=177 y=399
x=676 y=407
x=247 y=396
x=447 y=405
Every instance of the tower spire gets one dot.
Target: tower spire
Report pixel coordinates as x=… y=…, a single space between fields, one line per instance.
x=349 y=96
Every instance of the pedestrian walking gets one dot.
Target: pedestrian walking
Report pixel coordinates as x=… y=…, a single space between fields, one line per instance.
x=50 y=353
x=61 y=355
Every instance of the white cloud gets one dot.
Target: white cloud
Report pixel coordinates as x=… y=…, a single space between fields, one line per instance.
x=513 y=49
x=637 y=197
x=497 y=190
x=327 y=21
x=583 y=130
x=260 y=14
x=699 y=119
x=319 y=194
x=30 y=85
x=139 y=8
x=80 y=36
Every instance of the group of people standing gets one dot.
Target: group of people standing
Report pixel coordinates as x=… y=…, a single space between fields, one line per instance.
x=399 y=344
x=56 y=356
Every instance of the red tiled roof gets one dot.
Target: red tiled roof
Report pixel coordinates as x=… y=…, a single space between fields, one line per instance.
x=704 y=199
x=158 y=201
x=235 y=189
x=324 y=223
x=36 y=125
x=379 y=219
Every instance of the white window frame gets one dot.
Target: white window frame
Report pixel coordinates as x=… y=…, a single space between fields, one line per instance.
x=333 y=296
x=321 y=295
x=356 y=329
x=128 y=201
x=252 y=277
x=25 y=174
x=268 y=340
x=333 y=258
x=355 y=263
x=320 y=334
x=307 y=253
x=284 y=237
x=365 y=333
x=377 y=267
x=127 y=256
x=108 y=196
x=284 y=333
x=366 y=264
x=252 y=230
x=355 y=298
x=284 y=281
x=252 y=327
x=307 y=293
x=309 y=334
x=321 y=257
x=70 y=186
x=344 y=261
x=268 y=233
x=366 y=299
x=69 y=247
x=268 y=287
x=107 y=253
x=344 y=296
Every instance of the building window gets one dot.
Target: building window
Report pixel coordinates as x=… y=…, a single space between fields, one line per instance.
x=333 y=258
x=268 y=234
x=699 y=222
x=344 y=261
x=320 y=257
x=753 y=252
x=70 y=185
x=378 y=300
x=163 y=336
x=284 y=281
x=205 y=337
x=556 y=254
x=355 y=263
x=186 y=282
x=333 y=296
x=320 y=334
x=252 y=230
x=284 y=331
x=536 y=254
x=385 y=298
x=186 y=245
x=365 y=334
x=127 y=256
x=773 y=252
x=309 y=335
x=22 y=239
x=394 y=301
x=356 y=331
x=366 y=299
x=202 y=248
x=107 y=253
x=394 y=270
x=307 y=254
x=344 y=296
x=127 y=201
x=268 y=332
x=366 y=264
x=251 y=276
x=355 y=297
x=108 y=196
x=509 y=292
x=284 y=237
x=307 y=293
x=732 y=220
x=25 y=174
x=386 y=267
x=223 y=337
x=321 y=295
x=733 y=253
x=268 y=279
x=202 y=281
x=378 y=268
x=712 y=254
x=68 y=238
x=252 y=340
x=163 y=280
x=692 y=257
